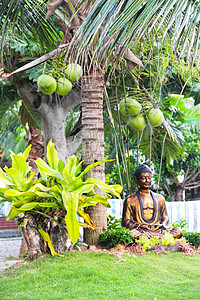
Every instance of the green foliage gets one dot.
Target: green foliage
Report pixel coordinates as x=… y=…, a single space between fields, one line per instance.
x=165 y=240
x=29 y=115
x=164 y=88
x=119 y=170
x=189 y=160
x=182 y=223
x=124 y=22
x=12 y=132
x=35 y=72
x=110 y=238
x=193 y=238
x=14 y=116
x=26 y=30
x=181 y=109
x=148 y=243
x=113 y=222
x=12 y=140
x=60 y=187
x=168 y=239
x=72 y=119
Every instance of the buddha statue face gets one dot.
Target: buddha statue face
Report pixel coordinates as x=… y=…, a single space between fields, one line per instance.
x=143 y=180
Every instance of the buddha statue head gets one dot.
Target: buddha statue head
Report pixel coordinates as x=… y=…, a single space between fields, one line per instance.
x=143 y=176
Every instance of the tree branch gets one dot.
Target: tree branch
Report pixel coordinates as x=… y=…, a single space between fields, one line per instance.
x=193 y=175
x=73 y=142
x=186 y=173
x=41 y=59
x=193 y=186
x=25 y=91
x=72 y=99
x=169 y=190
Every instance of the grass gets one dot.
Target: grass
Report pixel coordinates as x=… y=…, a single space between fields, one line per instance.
x=84 y=275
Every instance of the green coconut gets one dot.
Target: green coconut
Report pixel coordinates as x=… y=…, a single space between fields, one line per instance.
x=46 y=84
x=138 y=122
x=64 y=86
x=129 y=106
x=74 y=72
x=155 y=117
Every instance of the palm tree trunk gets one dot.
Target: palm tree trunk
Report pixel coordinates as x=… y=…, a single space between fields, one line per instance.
x=93 y=145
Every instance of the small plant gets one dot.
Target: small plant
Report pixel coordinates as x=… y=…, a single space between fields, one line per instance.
x=113 y=222
x=110 y=238
x=78 y=245
x=167 y=239
x=182 y=223
x=186 y=248
x=25 y=255
x=159 y=243
x=137 y=249
x=148 y=243
x=193 y=238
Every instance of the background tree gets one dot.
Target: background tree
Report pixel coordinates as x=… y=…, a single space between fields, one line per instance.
x=25 y=34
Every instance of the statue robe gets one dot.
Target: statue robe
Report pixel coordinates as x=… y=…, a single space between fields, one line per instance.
x=146 y=214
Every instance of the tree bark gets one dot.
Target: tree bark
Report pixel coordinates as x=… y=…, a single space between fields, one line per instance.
x=93 y=145
x=179 y=193
x=54 y=112
x=169 y=190
x=35 y=245
x=57 y=231
x=35 y=138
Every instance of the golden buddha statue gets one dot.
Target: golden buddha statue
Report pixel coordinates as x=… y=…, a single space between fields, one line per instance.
x=144 y=212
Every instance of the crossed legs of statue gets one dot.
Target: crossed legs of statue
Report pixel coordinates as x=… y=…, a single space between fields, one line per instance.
x=150 y=232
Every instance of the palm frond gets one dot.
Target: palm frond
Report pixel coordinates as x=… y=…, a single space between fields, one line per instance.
x=171 y=151
x=8 y=99
x=26 y=20
x=29 y=115
x=193 y=115
x=117 y=23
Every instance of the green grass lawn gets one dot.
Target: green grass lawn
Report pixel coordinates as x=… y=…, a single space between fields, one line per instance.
x=84 y=275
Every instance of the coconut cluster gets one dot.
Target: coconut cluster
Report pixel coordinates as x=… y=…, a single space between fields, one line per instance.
x=137 y=114
x=62 y=85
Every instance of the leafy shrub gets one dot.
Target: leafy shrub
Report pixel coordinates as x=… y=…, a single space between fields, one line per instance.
x=182 y=223
x=165 y=240
x=60 y=188
x=113 y=222
x=111 y=237
x=148 y=243
x=137 y=249
x=193 y=238
x=186 y=248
